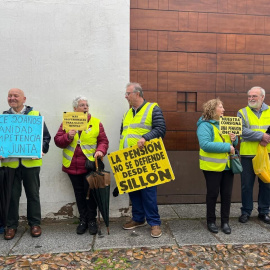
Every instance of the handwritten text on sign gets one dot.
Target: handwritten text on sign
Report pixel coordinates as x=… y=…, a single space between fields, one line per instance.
x=228 y=124
x=75 y=120
x=136 y=169
x=21 y=135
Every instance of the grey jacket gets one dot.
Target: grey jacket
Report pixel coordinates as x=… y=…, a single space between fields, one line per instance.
x=248 y=134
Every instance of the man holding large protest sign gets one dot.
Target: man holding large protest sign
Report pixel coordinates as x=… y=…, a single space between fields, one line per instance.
x=26 y=170
x=255 y=120
x=142 y=122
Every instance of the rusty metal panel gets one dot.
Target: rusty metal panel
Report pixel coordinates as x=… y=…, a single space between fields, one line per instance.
x=189 y=184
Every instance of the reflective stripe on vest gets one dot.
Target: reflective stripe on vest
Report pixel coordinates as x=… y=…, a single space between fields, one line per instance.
x=26 y=162
x=215 y=161
x=135 y=127
x=88 y=142
x=249 y=148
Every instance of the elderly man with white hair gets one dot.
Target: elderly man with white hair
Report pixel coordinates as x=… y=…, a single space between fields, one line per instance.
x=26 y=171
x=256 y=120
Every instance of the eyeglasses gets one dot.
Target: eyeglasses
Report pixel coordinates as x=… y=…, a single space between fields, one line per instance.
x=128 y=93
x=83 y=105
x=252 y=96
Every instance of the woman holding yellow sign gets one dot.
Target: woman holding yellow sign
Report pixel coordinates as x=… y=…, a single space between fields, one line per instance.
x=214 y=162
x=78 y=146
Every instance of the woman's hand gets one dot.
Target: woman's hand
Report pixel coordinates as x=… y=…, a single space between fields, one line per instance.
x=232 y=150
x=71 y=134
x=98 y=154
x=232 y=136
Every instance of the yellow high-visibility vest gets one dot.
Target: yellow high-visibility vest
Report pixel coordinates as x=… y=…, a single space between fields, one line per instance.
x=87 y=142
x=135 y=127
x=26 y=162
x=215 y=161
x=249 y=148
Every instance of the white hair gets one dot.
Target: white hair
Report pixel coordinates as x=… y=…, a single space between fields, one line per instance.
x=258 y=87
x=76 y=100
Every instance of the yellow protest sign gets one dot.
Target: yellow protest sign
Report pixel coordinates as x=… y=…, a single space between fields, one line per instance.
x=75 y=120
x=228 y=124
x=136 y=169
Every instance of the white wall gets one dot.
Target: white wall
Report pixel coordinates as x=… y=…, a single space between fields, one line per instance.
x=55 y=50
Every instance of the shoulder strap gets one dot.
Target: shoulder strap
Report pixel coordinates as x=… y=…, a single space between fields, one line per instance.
x=218 y=132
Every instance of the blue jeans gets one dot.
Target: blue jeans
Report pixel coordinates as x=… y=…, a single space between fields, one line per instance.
x=247 y=183
x=144 y=205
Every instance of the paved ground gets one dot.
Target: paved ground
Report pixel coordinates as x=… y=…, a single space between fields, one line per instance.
x=185 y=244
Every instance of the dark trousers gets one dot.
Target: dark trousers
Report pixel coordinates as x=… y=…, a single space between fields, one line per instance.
x=144 y=205
x=218 y=182
x=31 y=182
x=247 y=183
x=87 y=208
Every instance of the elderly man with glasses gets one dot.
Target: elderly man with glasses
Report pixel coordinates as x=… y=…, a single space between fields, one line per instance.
x=255 y=120
x=144 y=121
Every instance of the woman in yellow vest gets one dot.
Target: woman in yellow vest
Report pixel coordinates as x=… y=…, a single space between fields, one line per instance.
x=214 y=162
x=77 y=148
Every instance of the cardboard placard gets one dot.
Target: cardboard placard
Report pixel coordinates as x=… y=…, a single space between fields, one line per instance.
x=136 y=169
x=228 y=124
x=75 y=120
x=21 y=135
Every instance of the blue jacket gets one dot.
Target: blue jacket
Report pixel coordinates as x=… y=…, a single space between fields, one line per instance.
x=205 y=134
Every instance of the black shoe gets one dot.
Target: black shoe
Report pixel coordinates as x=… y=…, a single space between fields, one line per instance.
x=243 y=218
x=212 y=227
x=226 y=228
x=265 y=218
x=81 y=229
x=92 y=227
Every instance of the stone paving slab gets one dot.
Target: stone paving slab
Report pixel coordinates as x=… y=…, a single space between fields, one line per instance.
x=236 y=209
x=55 y=238
x=190 y=229
x=167 y=212
x=6 y=246
x=251 y=232
x=191 y=232
x=195 y=211
x=139 y=237
x=189 y=210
